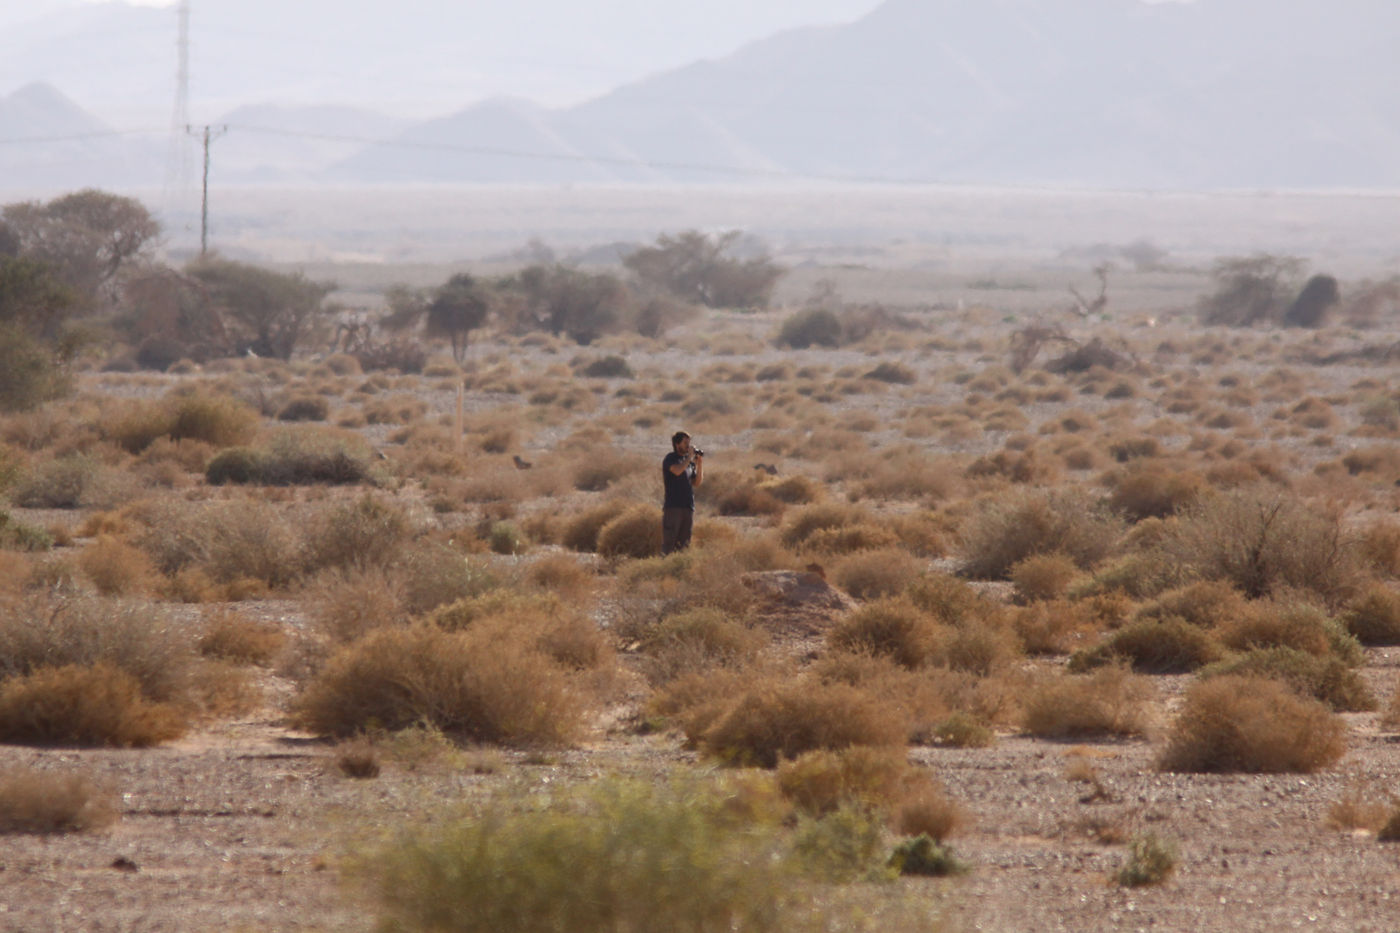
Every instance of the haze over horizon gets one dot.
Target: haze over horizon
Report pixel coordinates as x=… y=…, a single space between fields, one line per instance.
x=550 y=52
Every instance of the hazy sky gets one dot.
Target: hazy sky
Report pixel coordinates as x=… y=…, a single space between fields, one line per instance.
x=555 y=52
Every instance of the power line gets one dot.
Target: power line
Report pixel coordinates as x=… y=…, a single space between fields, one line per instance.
x=78 y=137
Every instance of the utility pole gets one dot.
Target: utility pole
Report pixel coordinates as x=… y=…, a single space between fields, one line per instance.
x=210 y=134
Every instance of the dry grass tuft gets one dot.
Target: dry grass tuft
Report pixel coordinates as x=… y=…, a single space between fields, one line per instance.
x=1251 y=724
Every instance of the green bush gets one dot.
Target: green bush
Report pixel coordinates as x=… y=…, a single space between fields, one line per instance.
x=30 y=374
x=614 y=855
x=61 y=483
x=814 y=327
x=305 y=408
x=239 y=465
x=923 y=856
x=1150 y=861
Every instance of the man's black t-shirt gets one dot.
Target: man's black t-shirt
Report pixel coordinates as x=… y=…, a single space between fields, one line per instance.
x=679 y=493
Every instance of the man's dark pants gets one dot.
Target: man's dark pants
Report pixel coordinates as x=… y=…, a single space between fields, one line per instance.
x=675 y=529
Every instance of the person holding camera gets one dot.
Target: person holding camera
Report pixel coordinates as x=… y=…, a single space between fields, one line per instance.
x=681 y=471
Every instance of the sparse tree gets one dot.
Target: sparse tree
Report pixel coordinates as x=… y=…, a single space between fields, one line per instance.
x=90 y=237
x=1250 y=290
x=1318 y=297
x=33 y=298
x=706 y=270
x=562 y=300
x=264 y=311
x=459 y=306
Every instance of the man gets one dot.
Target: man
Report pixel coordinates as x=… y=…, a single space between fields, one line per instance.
x=681 y=471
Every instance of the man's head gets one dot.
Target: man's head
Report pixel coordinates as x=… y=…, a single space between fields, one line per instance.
x=680 y=441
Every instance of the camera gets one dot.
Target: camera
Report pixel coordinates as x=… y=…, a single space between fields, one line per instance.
x=697 y=451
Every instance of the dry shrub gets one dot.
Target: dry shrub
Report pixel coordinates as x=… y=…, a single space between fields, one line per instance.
x=1008 y=530
x=979 y=649
x=948 y=599
x=436 y=574
x=748 y=497
x=780 y=719
x=1152 y=491
x=1361 y=808
x=1379 y=546
x=478 y=689
x=891 y=627
x=562 y=575
x=802 y=524
x=229 y=541
x=696 y=640
x=214 y=419
x=116 y=568
x=927 y=810
x=1043 y=576
x=1285 y=624
x=581 y=532
x=346 y=605
x=43 y=802
x=1324 y=678
x=46 y=631
x=794 y=490
x=870 y=574
x=304 y=408
x=822 y=781
x=1152 y=646
x=357 y=758
x=1054 y=627
x=542 y=621
x=1261 y=540
x=598 y=471
x=237 y=638
x=100 y=705
x=1110 y=701
x=923 y=698
x=366 y=533
x=1254 y=725
x=862 y=536
x=623 y=855
x=635 y=533
x=14 y=571
x=899 y=474
x=1373 y=618
x=1206 y=603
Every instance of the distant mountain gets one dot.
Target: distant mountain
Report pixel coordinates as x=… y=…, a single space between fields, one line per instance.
x=1098 y=93
x=47 y=140
x=1093 y=93
x=274 y=143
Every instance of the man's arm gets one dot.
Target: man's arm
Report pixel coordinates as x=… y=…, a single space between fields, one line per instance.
x=699 y=470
